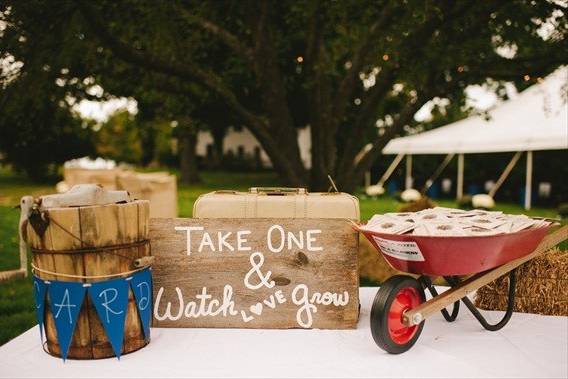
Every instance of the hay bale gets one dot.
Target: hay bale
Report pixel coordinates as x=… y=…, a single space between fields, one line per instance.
x=419 y=205
x=542 y=287
x=104 y=177
x=372 y=265
x=160 y=188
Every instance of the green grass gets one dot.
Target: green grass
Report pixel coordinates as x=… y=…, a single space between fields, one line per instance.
x=13 y=187
x=213 y=181
x=16 y=299
x=16 y=308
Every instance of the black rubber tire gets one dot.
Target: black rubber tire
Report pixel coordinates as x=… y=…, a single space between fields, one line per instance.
x=380 y=310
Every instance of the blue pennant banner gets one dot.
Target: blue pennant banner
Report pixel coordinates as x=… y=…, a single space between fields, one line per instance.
x=109 y=297
x=141 y=284
x=39 y=296
x=111 y=300
x=65 y=300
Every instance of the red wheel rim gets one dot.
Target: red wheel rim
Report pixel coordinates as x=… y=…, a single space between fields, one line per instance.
x=405 y=299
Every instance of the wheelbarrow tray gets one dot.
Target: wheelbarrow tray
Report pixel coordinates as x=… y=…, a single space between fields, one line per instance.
x=455 y=255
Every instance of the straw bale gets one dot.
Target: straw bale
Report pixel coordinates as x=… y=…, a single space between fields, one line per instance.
x=542 y=287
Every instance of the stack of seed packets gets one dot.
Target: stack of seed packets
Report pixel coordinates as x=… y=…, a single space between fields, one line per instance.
x=441 y=221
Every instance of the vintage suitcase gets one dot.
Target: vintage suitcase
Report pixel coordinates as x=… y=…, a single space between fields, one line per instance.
x=276 y=203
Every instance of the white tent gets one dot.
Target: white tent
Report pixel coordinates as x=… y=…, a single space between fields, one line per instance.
x=536 y=119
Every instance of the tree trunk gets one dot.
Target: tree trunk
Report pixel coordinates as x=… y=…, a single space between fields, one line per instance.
x=148 y=137
x=218 y=134
x=188 y=156
x=351 y=182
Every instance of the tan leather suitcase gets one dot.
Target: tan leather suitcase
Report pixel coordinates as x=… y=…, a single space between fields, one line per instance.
x=264 y=202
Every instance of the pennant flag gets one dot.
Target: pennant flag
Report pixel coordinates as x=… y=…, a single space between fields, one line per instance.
x=65 y=300
x=39 y=296
x=141 y=284
x=111 y=301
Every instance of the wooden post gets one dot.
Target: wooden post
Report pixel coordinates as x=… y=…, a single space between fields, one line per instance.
x=408 y=179
x=367 y=178
x=459 y=183
x=528 y=183
x=12 y=274
x=26 y=204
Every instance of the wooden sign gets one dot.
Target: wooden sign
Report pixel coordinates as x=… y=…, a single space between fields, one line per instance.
x=255 y=273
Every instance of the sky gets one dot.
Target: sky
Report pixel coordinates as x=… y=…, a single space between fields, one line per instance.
x=100 y=111
x=479 y=98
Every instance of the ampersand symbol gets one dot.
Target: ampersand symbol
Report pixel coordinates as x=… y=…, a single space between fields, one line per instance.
x=256 y=261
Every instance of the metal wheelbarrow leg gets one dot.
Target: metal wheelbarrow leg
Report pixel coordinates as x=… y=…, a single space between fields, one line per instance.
x=453 y=281
x=427 y=284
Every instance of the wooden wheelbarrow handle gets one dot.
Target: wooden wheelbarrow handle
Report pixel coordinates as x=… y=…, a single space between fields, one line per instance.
x=417 y=315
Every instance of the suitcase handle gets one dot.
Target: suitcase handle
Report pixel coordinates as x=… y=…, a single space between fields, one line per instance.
x=278 y=191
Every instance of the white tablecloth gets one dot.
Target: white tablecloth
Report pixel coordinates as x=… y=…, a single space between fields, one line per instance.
x=529 y=346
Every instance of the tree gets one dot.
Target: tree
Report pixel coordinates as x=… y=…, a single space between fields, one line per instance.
x=335 y=66
x=36 y=130
x=119 y=138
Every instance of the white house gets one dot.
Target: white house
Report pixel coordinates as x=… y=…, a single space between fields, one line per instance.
x=241 y=142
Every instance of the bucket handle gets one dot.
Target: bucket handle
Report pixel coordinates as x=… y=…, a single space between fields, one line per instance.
x=278 y=191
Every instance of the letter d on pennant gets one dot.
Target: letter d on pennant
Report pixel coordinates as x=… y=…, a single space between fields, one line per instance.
x=141 y=285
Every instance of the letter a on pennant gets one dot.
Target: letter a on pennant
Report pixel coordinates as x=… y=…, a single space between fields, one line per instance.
x=111 y=300
x=65 y=300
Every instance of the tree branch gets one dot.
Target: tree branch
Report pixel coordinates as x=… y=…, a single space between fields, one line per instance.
x=365 y=117
x=347 y=85
x=377 y=145
x=206 y=79
x=224 y=35
x=501 y=68
x=185 y=72
x=415 y=44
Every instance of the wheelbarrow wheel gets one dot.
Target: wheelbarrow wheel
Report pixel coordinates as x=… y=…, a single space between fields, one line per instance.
x=397 y=295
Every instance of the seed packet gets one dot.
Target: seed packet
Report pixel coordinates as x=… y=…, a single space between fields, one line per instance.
x=485 y=222
x=444 y=229
x=403 y=216
x=432 y=216
x=390 y=227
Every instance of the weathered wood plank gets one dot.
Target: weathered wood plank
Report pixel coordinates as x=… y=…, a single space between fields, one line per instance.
x=318 y=261
x=12 y=274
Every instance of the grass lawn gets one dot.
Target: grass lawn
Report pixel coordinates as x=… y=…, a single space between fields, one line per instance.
x=16 y=300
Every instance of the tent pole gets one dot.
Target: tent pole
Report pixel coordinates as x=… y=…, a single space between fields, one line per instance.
x=505 y=173
x=367 y=178
x=408 y=179
x=390 y=169
x=436 y=173
x=459 y=186
x=528 y=184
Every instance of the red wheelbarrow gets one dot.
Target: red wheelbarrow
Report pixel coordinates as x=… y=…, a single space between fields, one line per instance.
x=399 y=309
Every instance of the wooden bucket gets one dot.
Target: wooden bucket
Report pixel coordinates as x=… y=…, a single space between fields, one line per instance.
x=76 y=242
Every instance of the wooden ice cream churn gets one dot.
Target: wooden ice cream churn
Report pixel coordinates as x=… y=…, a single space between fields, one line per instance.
x=88 y=235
